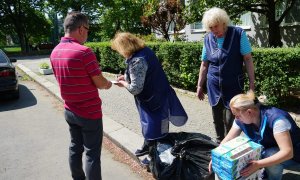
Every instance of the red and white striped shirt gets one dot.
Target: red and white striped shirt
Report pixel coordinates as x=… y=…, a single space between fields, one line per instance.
x=74 y=65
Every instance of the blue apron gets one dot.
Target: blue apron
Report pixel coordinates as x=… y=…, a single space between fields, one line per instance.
x=157 y=104
x=264 y=135
x=225 y=77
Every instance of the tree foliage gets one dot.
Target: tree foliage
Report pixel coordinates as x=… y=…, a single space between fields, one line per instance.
x=24 y=18
x=274 y=11
x=121 y=15
x=60 y=8
x=2 y=38
x=106 y=17
x=88 y=7
x=160 y=16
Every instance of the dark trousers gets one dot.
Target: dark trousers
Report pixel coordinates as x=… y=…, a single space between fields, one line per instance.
x=148 y=143
x=85 y=134
x=223 y=119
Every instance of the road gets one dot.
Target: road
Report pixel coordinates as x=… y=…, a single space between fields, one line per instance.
x=35 y=138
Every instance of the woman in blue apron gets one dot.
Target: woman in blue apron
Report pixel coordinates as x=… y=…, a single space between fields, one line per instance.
x=225 y=50
x=271 y=127
x=155 y=99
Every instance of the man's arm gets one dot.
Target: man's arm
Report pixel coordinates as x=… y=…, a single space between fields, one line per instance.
x=101 y=82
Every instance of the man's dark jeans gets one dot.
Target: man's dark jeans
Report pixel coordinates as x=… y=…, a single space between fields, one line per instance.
x=85 y=134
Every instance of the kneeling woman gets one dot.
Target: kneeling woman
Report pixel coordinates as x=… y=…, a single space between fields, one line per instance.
x=269 y=126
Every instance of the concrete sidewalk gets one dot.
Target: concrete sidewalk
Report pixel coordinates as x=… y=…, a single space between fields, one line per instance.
x=120 y=117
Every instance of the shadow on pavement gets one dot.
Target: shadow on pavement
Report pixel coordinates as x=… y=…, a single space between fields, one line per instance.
x=26 y=99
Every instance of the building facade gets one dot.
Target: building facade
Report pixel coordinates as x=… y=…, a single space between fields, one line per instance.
x=256 y=28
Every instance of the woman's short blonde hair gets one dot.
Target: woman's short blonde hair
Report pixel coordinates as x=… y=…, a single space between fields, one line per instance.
x=215 y=16
x=126 y=44
x=242 y=102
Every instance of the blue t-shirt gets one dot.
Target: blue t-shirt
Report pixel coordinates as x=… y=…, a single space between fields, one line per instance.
x=245 y=46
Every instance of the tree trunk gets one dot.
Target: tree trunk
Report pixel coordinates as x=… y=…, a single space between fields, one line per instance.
x=27 y=49
x=22 y=42
x=166 y=36
x=21 y=32
x=274 y=35
x=274 y=29
x=77 y=7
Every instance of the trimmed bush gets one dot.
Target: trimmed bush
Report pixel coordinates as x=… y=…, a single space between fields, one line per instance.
x=277 y=72
x=276 y=69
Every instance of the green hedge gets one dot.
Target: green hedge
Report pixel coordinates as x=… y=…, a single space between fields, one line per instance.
x=181 y=63
x=277 y=73
x=276 y=69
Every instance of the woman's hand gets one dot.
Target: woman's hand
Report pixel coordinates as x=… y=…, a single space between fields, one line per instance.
x=121 y=83
x=251 y=168
x=202 y=79
x=120 y=78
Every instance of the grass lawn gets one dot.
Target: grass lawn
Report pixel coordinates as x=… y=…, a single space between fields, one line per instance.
x=12 y=49
x=16 y=51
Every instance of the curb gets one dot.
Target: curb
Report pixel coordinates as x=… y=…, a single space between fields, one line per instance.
x=116 y=132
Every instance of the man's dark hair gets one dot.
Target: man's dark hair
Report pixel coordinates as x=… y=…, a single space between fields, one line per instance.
x=74 y=20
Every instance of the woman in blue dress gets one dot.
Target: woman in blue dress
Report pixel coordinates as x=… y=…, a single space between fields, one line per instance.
x=225 y=51
x=145 y=79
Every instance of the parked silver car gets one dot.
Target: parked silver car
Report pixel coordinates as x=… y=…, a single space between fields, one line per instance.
x=9 y=85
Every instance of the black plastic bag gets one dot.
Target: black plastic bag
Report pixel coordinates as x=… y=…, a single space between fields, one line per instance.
x=192 y=155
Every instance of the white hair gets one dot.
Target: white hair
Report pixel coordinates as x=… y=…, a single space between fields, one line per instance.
x=215 y=16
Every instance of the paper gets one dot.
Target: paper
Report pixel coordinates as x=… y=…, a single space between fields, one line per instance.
x=115 y=82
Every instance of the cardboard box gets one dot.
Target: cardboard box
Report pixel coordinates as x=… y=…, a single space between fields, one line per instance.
x=228 y=146
x=231 y=157
x=254 y=176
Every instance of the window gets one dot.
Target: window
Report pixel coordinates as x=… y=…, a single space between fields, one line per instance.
x=245 y=21
x=196 y=25
x=293 y=16
x=171 y=27
x=3 y=58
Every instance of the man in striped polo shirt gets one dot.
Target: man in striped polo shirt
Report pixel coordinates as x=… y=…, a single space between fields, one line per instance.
x=78 y=74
